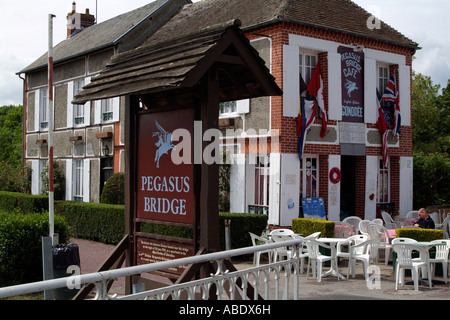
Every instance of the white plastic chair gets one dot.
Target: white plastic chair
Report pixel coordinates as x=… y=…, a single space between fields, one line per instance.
x=303 y=250
x=376 y=231
x=388 y=221
x=366 y=252
x=413 y=214
x=363 y=226
x=313 y=236
x=446 y=227
x=403 y=240
x=436 y=219
x=316 y=259
x=405 y=261
x=257 y=255
x=285 y=232
x=353 y=240
x=282 y=251
x=441 y=257
x=378 y=221
x=353 y=220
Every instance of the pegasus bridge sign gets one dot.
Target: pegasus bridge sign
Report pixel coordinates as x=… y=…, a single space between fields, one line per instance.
x=165 y=189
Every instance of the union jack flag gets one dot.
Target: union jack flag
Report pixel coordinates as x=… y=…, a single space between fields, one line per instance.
x=381 y=124
x=391 y=96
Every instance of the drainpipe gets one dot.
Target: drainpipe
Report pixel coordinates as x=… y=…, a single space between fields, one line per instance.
x=24 y=89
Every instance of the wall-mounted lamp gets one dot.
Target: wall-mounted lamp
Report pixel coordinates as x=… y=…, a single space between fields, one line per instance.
x=105 y=149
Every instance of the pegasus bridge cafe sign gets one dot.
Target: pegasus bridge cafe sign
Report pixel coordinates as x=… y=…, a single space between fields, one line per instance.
x=165 y=189
x=352 y=63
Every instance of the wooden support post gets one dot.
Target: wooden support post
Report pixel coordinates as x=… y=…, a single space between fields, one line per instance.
x=209 y=191
x=131 y=110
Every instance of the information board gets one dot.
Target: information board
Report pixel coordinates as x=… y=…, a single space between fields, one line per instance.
x=313 y=208
x=152 y=251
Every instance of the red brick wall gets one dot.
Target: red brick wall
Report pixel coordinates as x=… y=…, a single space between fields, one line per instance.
x=279 y=34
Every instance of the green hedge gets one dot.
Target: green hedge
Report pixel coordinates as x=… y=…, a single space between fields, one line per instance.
x=106 y=223
x=21 y=245
x=93 y=221
x=419 y=234
x=10 y=201
x=240 y=226
x=307 y=226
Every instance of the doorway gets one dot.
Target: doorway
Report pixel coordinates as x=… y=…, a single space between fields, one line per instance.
x=106 y=171
x=348 y=191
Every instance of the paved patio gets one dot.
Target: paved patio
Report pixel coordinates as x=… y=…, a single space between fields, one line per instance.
x=93 y=254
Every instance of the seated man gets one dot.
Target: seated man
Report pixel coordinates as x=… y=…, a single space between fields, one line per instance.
x=425 y=220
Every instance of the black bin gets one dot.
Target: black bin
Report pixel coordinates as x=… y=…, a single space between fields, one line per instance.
x=64 y=256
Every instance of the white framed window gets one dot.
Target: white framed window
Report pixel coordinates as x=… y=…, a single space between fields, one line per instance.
x=227 y=108
x=309 y=173
x=78 y=109
x=43 y=109
x=307 y=63
x=234 y=108
x=382 y=183
x=78 y=177
x=262 y=180
x=107 y=110
x=382 y=76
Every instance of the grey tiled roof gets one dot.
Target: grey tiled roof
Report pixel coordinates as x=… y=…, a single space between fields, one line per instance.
x=180 y=63
x=99 y=36
x=338 y=15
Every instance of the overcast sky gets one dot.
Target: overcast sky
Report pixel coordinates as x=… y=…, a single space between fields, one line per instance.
x=24 y=32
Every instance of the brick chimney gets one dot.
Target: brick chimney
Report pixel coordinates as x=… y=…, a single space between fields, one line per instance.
x=78 y=21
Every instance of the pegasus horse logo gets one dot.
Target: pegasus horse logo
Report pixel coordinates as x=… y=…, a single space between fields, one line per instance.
x=350 y=86
x=164 y=143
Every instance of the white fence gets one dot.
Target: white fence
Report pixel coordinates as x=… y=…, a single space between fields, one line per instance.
x=270 y=281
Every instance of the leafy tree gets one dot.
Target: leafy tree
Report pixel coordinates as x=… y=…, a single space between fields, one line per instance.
x=11 y=133
x=58 y=181
x=431 y=140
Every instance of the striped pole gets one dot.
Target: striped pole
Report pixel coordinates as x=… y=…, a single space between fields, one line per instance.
x=50 y=128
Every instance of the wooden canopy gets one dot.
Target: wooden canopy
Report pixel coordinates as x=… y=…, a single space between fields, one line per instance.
x=180 y=63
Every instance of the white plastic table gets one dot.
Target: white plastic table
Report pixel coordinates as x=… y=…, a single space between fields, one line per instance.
x=334 y=270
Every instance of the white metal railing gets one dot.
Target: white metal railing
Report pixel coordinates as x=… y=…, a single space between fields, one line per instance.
x=269 y=279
